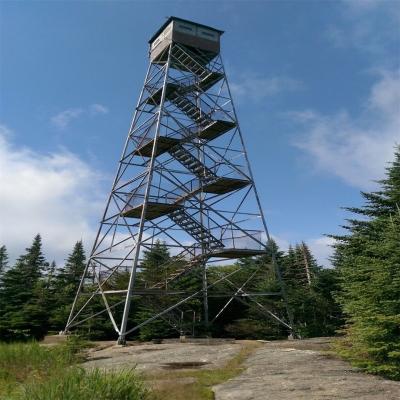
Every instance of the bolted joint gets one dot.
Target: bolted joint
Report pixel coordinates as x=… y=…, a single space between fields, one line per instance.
x=121 y=341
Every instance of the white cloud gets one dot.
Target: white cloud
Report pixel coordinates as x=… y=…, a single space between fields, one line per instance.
x=322 y=249
x=256 y=88
x=282 y=243
x=368 y=25
x=55 y=195
x=64 y=118
x=98 y=109
x=356 y=149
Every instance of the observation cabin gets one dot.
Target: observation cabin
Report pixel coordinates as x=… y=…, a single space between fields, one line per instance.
x=177 y=30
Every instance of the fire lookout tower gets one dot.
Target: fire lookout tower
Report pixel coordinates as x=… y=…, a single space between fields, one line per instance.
x=183 y=179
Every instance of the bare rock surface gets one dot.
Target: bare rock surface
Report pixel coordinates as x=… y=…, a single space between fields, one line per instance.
x=170 y=355
x=300 y=370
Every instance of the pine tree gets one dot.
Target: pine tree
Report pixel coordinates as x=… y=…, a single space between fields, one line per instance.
x=251 y=320
x=155 y=266
x=386 y=201
x=24 y=314
x=370 y=282
x=66 y=283
x=367 y=261
x=310 y=291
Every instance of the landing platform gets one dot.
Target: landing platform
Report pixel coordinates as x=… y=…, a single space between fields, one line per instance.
x=215 y=129
x=155 y=98
x=225 y=185
x=202 y=57
x=154 y=210
x=164 y=143
x=210 y=80
x=236 y=253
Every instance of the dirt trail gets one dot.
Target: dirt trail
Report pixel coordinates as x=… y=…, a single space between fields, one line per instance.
x=299 y=370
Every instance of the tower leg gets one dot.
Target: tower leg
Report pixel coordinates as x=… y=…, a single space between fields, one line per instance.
x=205 y=299
x=122 y=335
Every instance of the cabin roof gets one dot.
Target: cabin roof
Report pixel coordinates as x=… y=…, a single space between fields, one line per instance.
x=172 y=18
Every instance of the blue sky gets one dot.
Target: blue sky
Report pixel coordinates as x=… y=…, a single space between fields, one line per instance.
x=316 y=86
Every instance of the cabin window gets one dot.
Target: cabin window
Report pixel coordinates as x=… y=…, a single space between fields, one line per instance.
x=156 y=43
x=208 y=35
x=185 y=28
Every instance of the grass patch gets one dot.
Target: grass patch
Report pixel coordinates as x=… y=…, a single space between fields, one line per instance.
x=77 y=383
x=29 y=371
x=197 y=385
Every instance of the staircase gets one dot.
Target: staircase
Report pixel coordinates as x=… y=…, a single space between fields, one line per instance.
x=195 y=229
x=206 y=78
x=192 y=164
x=190 y=109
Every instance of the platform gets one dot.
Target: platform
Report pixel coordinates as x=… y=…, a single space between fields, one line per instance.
x=225 y=185
x=155 y=99
x=236 y=253
x=216 y=128
x=171 y=88
x=164 y=143
x=154 y=210
x=202 y=57
x=210 y=80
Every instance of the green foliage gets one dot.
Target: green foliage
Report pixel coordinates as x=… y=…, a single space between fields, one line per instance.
x=367 y=261
x=66 y=283
x=24 y=362
x=253 y=329
x=34 y=372
x=308 y=288
x=77 y=383
x=44 y=303
x=156 y=264
x=310 y=293
x=156 y=329
x=22 y=297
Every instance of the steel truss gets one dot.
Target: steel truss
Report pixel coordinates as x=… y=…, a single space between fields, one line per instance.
x=183 y=178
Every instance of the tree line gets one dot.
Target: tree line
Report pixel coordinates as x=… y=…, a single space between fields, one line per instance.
x=359 y=297
x=36 y=296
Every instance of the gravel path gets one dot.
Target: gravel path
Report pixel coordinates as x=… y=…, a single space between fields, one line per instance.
x=299 y=370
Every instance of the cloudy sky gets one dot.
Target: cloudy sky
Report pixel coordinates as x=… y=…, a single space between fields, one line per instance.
x=316 y=86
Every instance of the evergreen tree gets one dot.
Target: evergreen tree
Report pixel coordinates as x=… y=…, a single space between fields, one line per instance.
x=310 y=291
x=66 y=284
x=250 y=318
x=386 y=201
x=24 y=314
x=367 y=260
x=155 y=266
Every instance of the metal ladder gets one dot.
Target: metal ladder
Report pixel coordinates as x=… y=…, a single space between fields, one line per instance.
x=190 y=109
x=194 y=228
x=192 y=65
x=193 y=164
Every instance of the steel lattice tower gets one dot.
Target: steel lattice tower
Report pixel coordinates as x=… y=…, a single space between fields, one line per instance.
x=184 y=179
